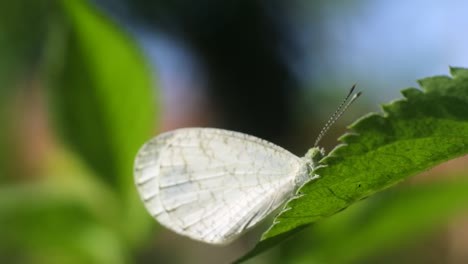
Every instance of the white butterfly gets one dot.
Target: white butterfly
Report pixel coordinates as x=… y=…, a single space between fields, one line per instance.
x=212 y=185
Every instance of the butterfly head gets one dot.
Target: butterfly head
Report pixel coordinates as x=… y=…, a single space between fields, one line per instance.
x=313 y=156
x=311 y=160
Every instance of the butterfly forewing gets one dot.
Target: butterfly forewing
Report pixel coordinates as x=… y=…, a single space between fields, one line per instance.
x=212 y=184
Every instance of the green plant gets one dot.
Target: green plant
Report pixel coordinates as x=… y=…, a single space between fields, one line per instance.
x=414 y=134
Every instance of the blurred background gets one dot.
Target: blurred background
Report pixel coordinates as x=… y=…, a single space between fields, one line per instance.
x=83 y=84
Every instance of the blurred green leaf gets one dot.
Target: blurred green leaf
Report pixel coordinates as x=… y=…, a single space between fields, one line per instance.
x=60 y=218
x=22 y=27
x=415 y=133
x=105 y=104
x=53 y=226
x=105 y=101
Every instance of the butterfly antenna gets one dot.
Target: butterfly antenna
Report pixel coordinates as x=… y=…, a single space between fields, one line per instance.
x=339 y=111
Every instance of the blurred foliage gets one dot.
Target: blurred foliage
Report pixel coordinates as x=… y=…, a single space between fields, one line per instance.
x=19 y=50
x=67 y=217
x=106 y=110
x=82 y=206
x=103 y=97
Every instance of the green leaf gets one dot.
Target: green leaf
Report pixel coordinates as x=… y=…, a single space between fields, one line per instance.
x=65 y=217
x=414 y=134
x=104 y=102
x=104 y=99
x=44 y=221
x=393 y=219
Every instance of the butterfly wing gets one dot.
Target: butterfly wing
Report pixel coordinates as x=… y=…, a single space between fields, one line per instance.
x=212 y=184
